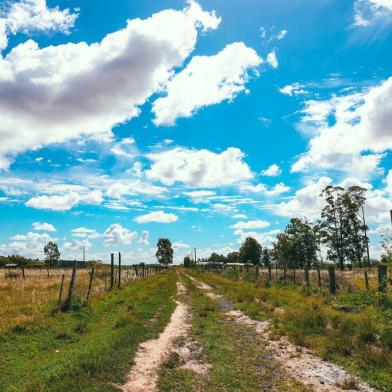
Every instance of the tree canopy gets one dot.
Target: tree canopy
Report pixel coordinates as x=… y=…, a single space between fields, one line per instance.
x=52 y=254
x=250 y=251
x=164 y=252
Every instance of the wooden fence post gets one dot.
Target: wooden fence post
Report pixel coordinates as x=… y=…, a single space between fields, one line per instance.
x=111 y=271
x=119 y=269
x=257 y=273
x=366 y=279
x=332 y=279
x=71 y=287
x=23 y=272
x=61 y=291
x=306 y=271
x=90 y=284
x=382 y=278
x=269 y=272
x=318 y=275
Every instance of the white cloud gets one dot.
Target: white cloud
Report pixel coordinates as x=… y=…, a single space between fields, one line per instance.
x=372 y=12
x=78 y=244
x=31 y=236
x=157 y=217
x=199 y=168
x=360 y=133
x=64 y=92
x=239 y=216
x=272 y=171
x=119 y=189
x=281 y=35
x=264 y=239
x=258 y=188
x=211 y=79
x=82 y=232
x=144 y=237
x=180 y=245
x=272 y=59
x=38 y=226
x=278 y=189
x=306 y=202
x=199 y=194
x=118 y=235
x=254 y=224
x=293 y=89
x=33 y=15
x=64 y=202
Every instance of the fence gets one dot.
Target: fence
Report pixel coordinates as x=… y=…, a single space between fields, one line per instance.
x=69 y=286
x=373 y=279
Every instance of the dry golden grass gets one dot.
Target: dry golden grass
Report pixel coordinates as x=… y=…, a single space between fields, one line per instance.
x=28 y=300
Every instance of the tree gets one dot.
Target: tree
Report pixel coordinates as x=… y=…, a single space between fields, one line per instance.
x=333 y=230
x=164 y=253
x=304 y=242
x=341 y=227
x=250 y=251
x=188 y=262
x=386 y=245
x=266 y=257
x=52 y=254
x=233 y=257
x=353 y=201
x=216 y=258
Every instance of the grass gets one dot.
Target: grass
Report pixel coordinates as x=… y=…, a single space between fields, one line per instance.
x=238 y=362
x=88 y=348
x=353 y=329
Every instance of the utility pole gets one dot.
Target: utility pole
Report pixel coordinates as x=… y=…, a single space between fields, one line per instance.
x=84 y=254
x=195 y=256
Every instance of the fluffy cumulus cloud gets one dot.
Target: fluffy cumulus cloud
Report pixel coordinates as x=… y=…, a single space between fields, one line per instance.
x=157 y=217
x=118 y=235
x=212 y=79
x=199 y=168
x=33 y=15
x=254 y=224
x=83 y=232
x=306 y=202
x=371 y=12
x=272 y=171
x=58 y=93
x=64 y=202
x=43 y=226
x=361 y=131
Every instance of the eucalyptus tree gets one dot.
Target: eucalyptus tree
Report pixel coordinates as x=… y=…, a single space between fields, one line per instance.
x=333 y=228
x=164 y=252
x=250 y=251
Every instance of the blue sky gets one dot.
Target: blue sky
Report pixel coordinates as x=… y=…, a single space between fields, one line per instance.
x=204 y=122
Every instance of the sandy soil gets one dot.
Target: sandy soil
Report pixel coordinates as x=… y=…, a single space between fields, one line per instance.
x=300 y=363
x=152 y=354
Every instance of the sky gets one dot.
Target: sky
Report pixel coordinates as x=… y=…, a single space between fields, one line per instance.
x=204 y=122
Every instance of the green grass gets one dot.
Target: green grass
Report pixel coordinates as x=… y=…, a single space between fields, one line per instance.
x=235 y=352
x=351 y=329
x=88 y=348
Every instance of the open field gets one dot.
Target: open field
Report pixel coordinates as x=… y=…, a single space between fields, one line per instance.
x=191 y=330
x=352 y=329
x=88 y=348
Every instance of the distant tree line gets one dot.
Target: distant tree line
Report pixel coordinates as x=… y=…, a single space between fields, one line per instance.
x=341 y=232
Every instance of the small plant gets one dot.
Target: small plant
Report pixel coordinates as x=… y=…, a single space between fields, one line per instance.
x=349 y=383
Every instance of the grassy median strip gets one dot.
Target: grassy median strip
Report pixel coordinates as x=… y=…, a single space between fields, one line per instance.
x=88 y=348
x=353 y=330
x=238 y=362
